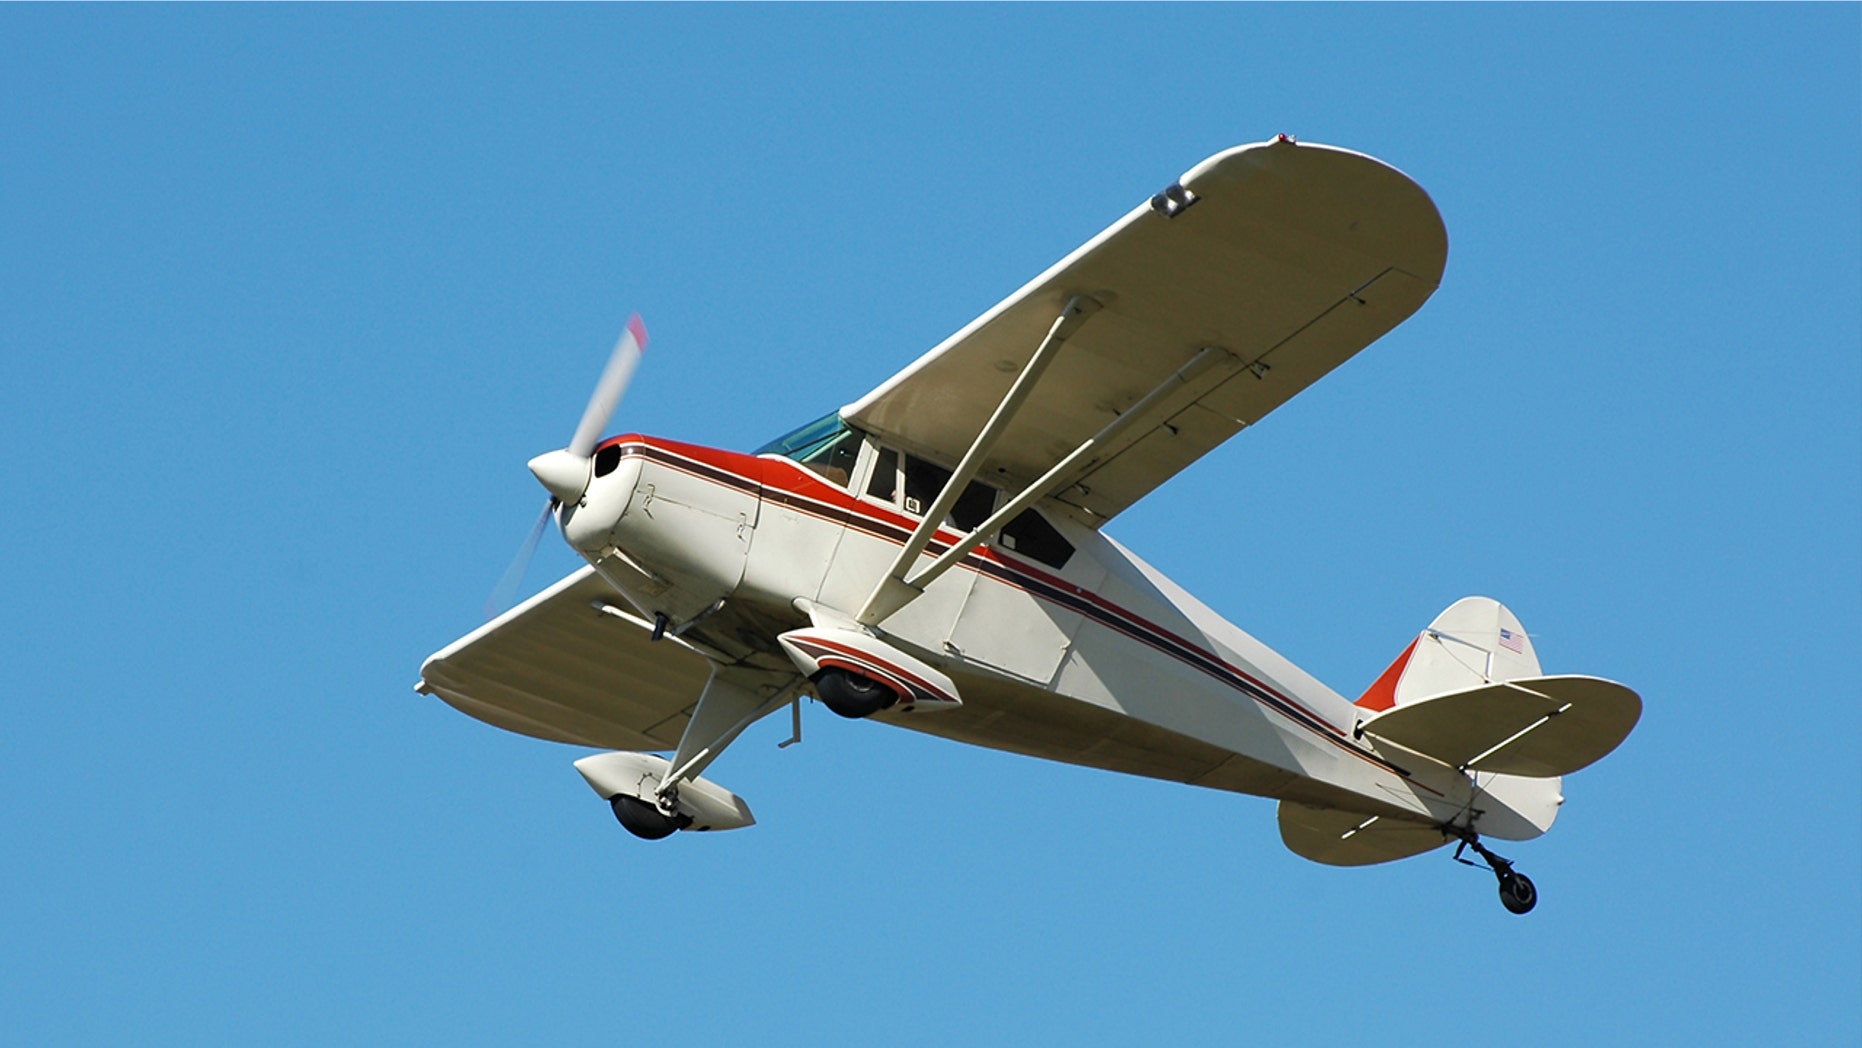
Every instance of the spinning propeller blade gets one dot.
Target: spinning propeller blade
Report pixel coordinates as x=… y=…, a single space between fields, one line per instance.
x=614 y=378
x=566 y=473
x=513 y=577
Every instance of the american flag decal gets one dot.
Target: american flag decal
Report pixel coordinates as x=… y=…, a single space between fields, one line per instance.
x=1512 y=641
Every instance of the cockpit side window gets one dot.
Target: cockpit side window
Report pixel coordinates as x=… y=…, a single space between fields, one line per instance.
x=885 y=482
x=834 y=460
x=1029 y=534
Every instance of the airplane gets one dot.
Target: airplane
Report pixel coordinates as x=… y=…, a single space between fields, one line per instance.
x=933 y=556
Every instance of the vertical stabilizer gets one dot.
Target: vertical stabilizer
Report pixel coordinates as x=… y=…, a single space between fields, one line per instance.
x=1476 y=641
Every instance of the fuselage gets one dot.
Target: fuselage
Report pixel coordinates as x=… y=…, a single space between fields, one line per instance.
x=1064 y=644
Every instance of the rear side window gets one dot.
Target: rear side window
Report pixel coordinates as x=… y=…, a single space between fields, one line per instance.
x=1033 y=537
x=925 y=480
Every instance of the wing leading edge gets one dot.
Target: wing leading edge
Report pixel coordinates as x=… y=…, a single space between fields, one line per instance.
x=1290 y=258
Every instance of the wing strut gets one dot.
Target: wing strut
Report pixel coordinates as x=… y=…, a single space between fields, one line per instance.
x=894 y=591
x=1210 y=363
x=733 y=699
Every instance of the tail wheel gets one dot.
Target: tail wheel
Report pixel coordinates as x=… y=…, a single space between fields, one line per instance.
x=852 y=695
x=1517 y=893
x=645 y=821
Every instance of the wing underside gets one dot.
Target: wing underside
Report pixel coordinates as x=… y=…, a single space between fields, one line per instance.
x=1290 y=259
x=556 y=668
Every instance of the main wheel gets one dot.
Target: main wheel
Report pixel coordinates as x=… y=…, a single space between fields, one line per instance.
x=645 y=821
x=852 y=695
x=1517 y=893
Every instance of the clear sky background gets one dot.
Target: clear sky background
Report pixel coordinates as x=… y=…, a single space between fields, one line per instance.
x=289 y=295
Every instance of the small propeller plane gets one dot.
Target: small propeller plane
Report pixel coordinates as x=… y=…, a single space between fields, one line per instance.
x=933 y=556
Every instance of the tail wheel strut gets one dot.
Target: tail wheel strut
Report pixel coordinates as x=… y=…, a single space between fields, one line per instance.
x=1517 y=892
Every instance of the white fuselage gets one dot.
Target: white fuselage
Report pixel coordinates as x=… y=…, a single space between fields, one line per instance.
x=1100 y=661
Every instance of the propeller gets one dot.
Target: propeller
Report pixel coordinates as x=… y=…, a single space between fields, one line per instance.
x=566 y=472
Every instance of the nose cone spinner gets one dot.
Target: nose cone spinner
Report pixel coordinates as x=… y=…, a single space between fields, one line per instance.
x=564 y=474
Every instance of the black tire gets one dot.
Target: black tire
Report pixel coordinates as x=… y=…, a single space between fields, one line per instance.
x=1517 y=893
x=645 y=821
x=851 y=695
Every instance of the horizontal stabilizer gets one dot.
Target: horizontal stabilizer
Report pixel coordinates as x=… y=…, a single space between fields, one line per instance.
x=1537 y=726
x=1349 y=838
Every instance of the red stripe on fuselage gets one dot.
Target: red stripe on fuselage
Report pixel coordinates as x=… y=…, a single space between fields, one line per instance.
x=899 y=671
x=784 y=481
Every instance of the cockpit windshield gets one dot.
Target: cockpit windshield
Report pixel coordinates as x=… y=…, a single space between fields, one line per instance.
x=827 y=446
x=798 y=442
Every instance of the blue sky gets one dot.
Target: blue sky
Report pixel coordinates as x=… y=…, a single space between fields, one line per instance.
x=291 y=293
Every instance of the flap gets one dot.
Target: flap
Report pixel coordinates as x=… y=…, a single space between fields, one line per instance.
x=1538 y=726
x=556 y=668
x=1291 y=258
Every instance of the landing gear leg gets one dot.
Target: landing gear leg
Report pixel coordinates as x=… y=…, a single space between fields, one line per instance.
x=1517 y=893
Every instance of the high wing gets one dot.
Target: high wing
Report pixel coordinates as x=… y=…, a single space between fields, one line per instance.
x=557 y=668
x=1287 y=257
